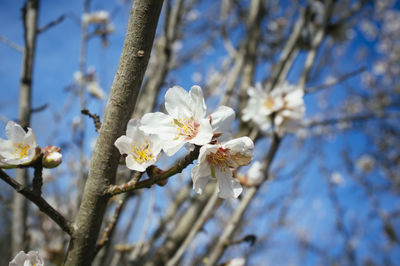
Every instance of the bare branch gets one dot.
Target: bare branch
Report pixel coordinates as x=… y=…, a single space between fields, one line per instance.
x=11 y=44
x=96 y=118
x=336 y=80
x=155 y=175
x=40 y=202
x=51 y=24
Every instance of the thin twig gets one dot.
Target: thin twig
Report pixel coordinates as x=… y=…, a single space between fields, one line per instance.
x=336 y=80
x=155 y=175
x=40 y=202
x=11 y=44
x=105 y=238
x=51 y=24
x=39 y=108
x=96 y=118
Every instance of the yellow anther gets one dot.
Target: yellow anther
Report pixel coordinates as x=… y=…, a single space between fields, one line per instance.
x=269 y=103
x=141 y=153
x=21 y=150
x=221 y=159
x=187 y=128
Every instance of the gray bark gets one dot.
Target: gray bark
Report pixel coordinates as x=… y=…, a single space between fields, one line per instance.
x=125 y=89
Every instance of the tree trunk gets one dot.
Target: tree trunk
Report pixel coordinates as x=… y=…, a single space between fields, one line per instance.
x=128 y=79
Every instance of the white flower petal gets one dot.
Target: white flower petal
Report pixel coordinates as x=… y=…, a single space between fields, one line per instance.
x=132 y=164
x=15 y=132
x=240 y=145
x=124 y=144
x=159 y=124
x=222 y=119
x=200 y=175
x=177 y=102
x=204 y=134
x=170 y=147
x=155 y=144
x=30 y=138
x=197 y=103
x=132 y=128
x=227 y=186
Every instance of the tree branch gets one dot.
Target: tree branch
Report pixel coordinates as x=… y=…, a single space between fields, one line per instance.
x=125 y=89
x=155 y=175
x=40 y=202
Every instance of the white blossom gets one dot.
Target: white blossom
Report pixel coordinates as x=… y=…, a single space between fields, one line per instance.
x=366 y=163
x=97 y=17
x=20 y=148
x=218 y=161
x=31 y=259
x=336 y=178
x=141 y=150
x=95 y=90
x=284 y=104
x=185 y=122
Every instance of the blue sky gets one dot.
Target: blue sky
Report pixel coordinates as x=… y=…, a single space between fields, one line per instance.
x=57 y=59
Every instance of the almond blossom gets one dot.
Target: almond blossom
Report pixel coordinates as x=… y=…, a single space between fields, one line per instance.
x=141 y=150
x=283 y=106
x=20 y=148
x=185 y=122
x=97 y=17
x=31 y=259
x=218 y=161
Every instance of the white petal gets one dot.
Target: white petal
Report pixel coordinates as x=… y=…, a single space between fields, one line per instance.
x=240 y=145
x=222 y=119
x=197 y=103
x=6 y=149
x=19 y=259
x=133 y=164
x=124 y=144
x=159 y=124
x=200 y=175
x=155 y=144
x=227 y=186
x=170 y=147
x=30 y=138
x=15 y=132
x=204 y=134
x=177 y=102
x=132 y=127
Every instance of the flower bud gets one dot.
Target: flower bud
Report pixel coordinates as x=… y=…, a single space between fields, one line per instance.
x=51 y=156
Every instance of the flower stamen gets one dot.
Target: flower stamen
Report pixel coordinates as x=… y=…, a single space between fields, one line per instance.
x=269 y=103
x=186 y=127
x=21 y=150
x=221 y=159
x=141 y=153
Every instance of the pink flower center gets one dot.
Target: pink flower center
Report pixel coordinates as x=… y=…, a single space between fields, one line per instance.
x=221 y=159
x=187 y=128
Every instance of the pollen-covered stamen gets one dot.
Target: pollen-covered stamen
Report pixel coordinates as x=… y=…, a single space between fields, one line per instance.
x=221 y=159
x=187 y=128
x=141 y=153
x=269 y=103
x=20 y=150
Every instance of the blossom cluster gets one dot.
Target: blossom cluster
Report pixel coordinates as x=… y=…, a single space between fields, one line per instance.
x=186 y=122
x=21 y=148
x=282 y=107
